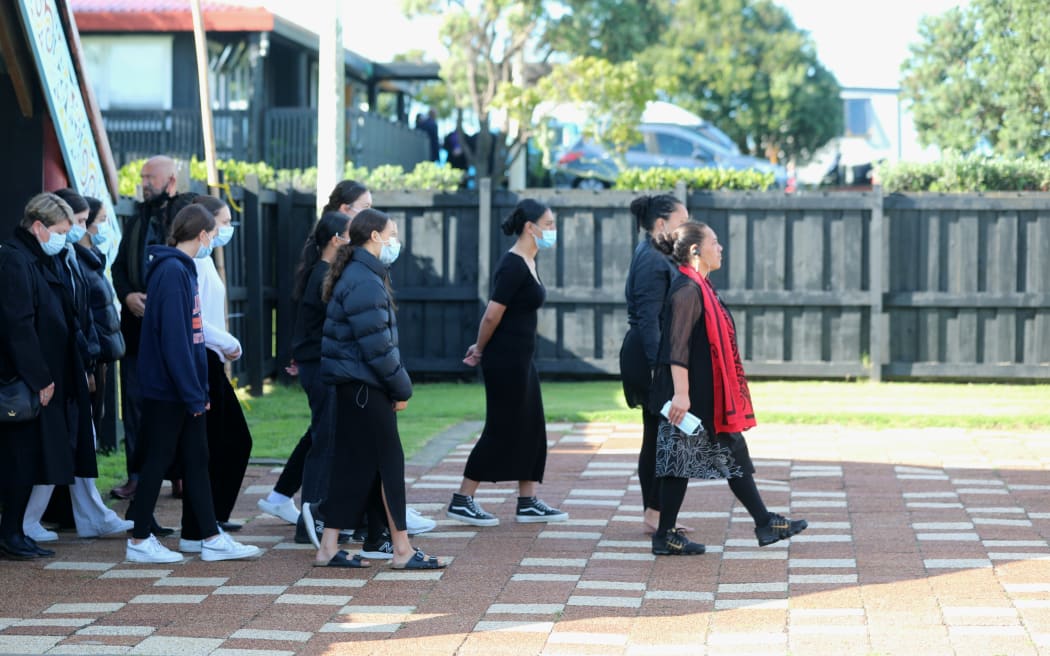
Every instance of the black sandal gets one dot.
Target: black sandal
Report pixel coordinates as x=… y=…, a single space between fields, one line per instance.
x=420 y=560
x=340 y=560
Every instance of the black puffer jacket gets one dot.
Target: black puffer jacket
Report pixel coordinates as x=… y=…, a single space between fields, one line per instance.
x=360 y=331
x=103 y=310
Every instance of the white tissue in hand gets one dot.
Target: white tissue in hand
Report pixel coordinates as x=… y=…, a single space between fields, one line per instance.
x=690 y=424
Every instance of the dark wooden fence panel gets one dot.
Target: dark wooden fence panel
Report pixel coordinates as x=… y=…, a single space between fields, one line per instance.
x=967 y=282
x=826 y=286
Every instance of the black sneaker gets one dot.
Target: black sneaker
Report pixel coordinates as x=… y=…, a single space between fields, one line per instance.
x=379 y=549
x=465 y=509
x=311 y=522
x=779 y=528
x=359 y=535
x=674 y=543
x=531 y=510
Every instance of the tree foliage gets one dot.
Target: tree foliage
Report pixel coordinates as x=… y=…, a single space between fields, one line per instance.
x=745 y=66
x=978 y=78
x=613 y=30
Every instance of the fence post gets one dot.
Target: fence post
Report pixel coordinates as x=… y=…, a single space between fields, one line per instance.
x=876 y=267
x=255 y=337
x=680 y=192
x=286 y=265
x=484 y=238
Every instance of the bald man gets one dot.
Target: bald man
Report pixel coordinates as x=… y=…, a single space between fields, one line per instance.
x=148 y=227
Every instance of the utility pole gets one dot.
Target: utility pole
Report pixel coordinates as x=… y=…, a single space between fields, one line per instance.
x=201 y=44
x=331 y=101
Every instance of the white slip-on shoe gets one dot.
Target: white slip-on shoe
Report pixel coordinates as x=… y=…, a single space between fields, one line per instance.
x=112 y=526
x=39 y=533
x=223 y=547
x=286 y=511
x=416 y=523
x=150 y=551
x=190 y=546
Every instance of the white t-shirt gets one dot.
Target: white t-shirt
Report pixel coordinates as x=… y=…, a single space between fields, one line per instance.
x=213 y=310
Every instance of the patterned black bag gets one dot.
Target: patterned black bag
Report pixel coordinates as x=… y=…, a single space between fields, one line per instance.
x=17 y=401
x=682 y=455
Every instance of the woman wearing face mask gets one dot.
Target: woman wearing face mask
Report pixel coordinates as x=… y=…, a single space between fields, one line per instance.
x=174 y=372
x=513 y=444
x=349 y=197
x=229 y=440
x=700 y=372
x=648 y=279
x=101 y=297
x=38 y=347
x=361 y=359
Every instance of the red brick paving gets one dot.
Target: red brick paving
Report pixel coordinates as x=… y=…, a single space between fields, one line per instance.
x=867 y=495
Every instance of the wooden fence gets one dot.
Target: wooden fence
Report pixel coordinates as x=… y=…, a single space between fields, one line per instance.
x=828 y=285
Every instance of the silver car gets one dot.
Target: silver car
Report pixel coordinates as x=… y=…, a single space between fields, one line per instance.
x=587 y=165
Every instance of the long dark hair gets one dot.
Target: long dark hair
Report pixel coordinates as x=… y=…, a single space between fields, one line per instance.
x=189 y=223
x=211 y=203
x=361 y=229
x=345 y=193
x=330 y=225
x=647 y=209
x=526 y=211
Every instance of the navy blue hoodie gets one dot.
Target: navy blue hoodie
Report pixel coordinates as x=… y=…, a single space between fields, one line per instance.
x=173 y=365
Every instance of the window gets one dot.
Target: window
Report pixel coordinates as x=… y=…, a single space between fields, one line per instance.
x=668 y=144
x=129 y=72
x=859 y=116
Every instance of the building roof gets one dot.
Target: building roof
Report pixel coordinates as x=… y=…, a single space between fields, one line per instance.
x=170 y=16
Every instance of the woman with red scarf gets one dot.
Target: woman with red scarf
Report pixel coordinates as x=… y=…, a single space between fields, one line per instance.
x=701 y=373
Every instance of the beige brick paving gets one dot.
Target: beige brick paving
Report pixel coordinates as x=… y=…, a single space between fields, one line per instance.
x=920 y=542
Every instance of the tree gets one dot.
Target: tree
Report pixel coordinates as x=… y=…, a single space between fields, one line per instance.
x=487 y=75
x=745 y=66
x=978 y=78
x=613 y=30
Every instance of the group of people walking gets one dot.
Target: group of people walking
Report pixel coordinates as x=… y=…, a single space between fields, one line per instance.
x=183 y=422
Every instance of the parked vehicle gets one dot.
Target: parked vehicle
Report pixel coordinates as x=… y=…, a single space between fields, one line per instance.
x=587 y=165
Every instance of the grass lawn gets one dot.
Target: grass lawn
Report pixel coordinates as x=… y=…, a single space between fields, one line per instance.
x=278 y=418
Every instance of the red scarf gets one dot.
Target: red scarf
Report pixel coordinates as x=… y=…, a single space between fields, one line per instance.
x=733 y=410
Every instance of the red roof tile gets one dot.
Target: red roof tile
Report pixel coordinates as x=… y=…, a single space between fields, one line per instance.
x=168 y=16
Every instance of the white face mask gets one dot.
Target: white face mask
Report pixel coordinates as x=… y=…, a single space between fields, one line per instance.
x=391 y=249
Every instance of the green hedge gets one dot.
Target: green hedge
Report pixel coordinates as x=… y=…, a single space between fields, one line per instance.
x=428 y=176
x=695 y=179
x=972 y=173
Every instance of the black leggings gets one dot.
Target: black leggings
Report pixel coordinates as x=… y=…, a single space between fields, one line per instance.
x=170 y=433
x=647 y=461
x=672 y=493
x=15 y=498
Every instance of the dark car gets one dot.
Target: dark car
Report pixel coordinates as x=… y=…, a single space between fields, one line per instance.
x=587 y=165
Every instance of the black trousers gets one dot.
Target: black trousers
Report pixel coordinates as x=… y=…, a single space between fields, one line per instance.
x=170 y=434
x=131 y=408
x=318 y=458
x=647 y=461
x=291 y=478
x=229 y=446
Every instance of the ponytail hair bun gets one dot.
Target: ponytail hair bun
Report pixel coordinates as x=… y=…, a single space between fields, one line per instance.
x=526 y=211
x=647 y=209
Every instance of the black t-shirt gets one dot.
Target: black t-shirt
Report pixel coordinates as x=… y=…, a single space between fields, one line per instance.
x=515 y=287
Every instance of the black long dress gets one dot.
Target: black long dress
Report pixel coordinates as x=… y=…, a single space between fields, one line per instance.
x=513 y=444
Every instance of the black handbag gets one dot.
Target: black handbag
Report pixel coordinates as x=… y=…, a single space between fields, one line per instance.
x=17 y=401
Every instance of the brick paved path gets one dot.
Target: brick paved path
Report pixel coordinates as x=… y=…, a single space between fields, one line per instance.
x=920 y=542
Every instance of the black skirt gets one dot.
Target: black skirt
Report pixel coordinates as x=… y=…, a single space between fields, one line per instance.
x=513 y=444
x=366 y=452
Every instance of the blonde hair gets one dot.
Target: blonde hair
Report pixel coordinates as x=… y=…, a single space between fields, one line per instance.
x=48 y=209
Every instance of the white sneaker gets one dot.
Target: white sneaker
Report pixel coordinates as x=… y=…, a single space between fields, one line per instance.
x=416 y=523
x=223 y=547
x=150 y=551
x=190 y=546
x=39 y=533
x=286 y=511
x=112 y=526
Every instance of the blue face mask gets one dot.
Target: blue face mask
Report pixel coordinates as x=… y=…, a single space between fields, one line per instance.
x=391 y=249
x=102 y=236
x=549 y=238
x=55 y=243
x=224 y=237
x=205 y=251
x=75 y=234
